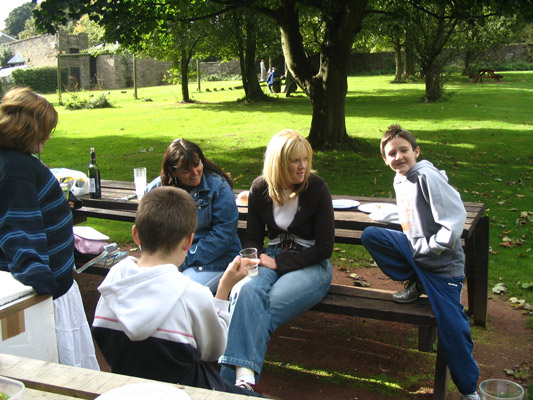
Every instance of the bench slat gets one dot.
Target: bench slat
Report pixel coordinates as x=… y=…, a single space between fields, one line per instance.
x=375 y=304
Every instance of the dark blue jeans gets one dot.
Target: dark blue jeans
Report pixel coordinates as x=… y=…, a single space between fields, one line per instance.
x=391 y=251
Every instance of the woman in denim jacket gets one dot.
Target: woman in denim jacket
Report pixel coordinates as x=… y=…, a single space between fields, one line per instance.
x=215 y=242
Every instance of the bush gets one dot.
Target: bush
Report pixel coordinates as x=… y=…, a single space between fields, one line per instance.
x=220 y=77
x=41 y=80
x=76 y=102
x=515 y=66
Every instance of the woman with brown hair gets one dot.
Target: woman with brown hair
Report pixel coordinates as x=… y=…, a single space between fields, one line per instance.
x=36 y=239
x=215 y=242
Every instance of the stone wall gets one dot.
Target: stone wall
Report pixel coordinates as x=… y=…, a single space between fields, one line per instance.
x=224 y=68
x=115 y=71
x=516 y=52
x=79 y=71
x=39 y=51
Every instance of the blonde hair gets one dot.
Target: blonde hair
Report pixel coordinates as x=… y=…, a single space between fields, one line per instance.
x=26 y=118
x=283 y=147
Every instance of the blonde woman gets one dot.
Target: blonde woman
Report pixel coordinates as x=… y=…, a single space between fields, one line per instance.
x=37 y=243
x=294 y=205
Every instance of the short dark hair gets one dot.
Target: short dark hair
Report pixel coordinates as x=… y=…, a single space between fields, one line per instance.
x=393 y=132
x=165 y=216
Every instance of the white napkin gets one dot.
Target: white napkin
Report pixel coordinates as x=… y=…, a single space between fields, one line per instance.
x=385 y=215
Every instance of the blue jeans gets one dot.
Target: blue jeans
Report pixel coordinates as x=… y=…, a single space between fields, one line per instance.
x=391 y=251
x=205 y=277
x=262 y=303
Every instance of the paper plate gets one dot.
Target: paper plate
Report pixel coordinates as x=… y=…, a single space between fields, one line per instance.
x=143 y=391
x=372 y=207
x=238 y=200
x=341 y=204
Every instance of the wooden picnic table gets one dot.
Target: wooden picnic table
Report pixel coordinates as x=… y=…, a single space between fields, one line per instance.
x=46 y=380
x=486 y=73
x=349 y=225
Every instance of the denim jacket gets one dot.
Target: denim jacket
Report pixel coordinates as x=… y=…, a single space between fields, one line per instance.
x=215 y=242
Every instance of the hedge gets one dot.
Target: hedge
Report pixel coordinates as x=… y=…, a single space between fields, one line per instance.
x=40 y=80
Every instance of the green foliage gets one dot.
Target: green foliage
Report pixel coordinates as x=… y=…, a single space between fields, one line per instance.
x=16 y=20
x=515 y=66
x=77 y=102
x=41 y=80
x=30 y=29
x=220 y=77
x=5 y=55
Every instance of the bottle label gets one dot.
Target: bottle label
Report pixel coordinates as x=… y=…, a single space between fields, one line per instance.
x=92 y=185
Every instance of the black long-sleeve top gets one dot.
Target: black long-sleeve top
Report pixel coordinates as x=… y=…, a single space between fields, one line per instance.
x=314 y=219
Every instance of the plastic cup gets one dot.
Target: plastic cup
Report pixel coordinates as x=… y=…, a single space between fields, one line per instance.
x=139 y=177
x=13 y=388
x=498 y=389
x=251 y=253
x=65 y=189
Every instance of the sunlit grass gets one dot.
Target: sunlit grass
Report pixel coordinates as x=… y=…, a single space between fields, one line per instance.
x=481 y=134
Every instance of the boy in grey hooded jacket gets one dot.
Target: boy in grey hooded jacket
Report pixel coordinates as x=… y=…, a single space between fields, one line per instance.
x=428 y=254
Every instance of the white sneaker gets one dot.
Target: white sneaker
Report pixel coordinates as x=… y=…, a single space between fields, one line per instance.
x=471 y=396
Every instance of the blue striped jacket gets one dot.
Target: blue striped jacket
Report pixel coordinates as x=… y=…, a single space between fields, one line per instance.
x=36 y=239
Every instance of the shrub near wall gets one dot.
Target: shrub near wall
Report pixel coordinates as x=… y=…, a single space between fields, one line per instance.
x=41 y=80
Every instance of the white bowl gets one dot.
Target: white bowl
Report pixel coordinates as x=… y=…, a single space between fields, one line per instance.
x=14 y=389
x=143 y=391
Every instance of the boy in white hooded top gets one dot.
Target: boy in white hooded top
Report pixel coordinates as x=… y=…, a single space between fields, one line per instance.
x=153 y=322
x=428 y=253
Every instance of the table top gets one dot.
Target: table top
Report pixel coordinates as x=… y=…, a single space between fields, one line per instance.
x=114 y=193
x=45 y=380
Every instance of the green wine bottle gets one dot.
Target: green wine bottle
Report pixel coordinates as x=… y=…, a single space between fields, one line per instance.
x=95 y=188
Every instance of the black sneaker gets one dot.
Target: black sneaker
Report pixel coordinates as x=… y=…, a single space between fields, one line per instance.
x=411 y=293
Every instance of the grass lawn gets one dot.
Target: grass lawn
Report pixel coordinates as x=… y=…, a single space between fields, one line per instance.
x=481 y=134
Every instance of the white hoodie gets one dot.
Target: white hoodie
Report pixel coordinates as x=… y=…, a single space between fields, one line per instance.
x=162 y=310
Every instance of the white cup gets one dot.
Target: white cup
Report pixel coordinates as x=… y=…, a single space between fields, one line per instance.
x=497 y=389
x=251 y=253
x=139 y=177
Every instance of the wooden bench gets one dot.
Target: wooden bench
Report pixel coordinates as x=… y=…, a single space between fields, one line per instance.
x=349 y=225
x=486 y=73
x=356 y=301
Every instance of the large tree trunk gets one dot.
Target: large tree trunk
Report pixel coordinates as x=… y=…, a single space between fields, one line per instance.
x=328 y=126
x=246 y=39
x=327 y=87
x=254 y=91
x=409 y=69
x=398 y=61
x=184 y=69
x=434 y=88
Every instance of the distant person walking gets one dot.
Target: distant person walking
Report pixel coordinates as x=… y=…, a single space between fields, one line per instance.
x=262 y=68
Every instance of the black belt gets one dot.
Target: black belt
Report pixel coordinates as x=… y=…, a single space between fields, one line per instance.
x=287 y=243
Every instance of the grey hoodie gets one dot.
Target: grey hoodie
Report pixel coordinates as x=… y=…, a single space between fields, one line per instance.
x=432 y=216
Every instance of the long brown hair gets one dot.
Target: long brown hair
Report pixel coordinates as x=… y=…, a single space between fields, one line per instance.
x=182 y=154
